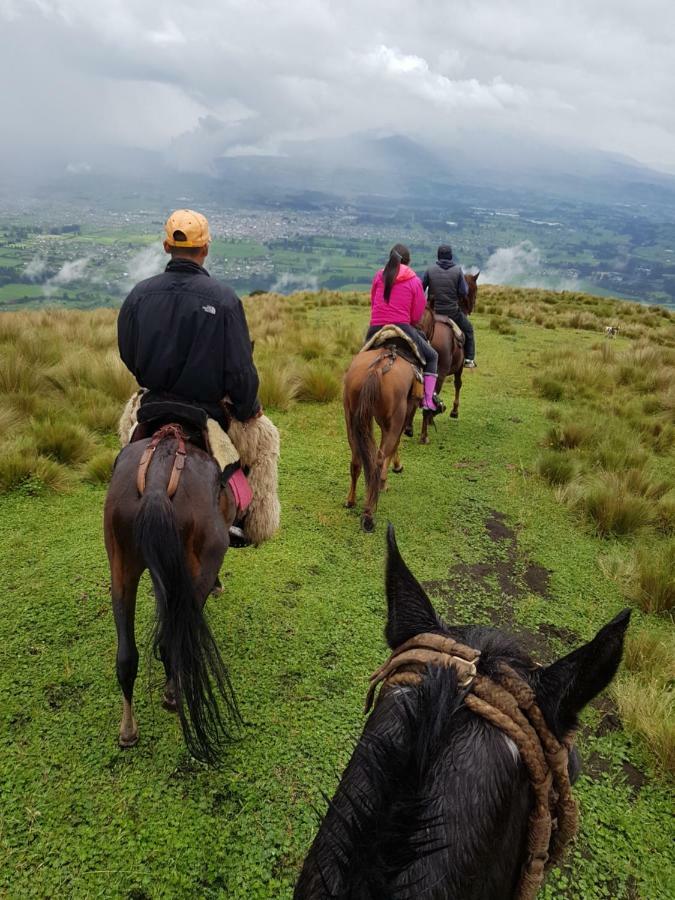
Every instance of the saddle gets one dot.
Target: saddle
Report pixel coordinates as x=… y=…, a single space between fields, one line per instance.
x=155 y=415
x=158 y=419
x=391 y=337
x=457 y=331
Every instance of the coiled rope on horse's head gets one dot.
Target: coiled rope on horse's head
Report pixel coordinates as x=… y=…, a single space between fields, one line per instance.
x=509 y=703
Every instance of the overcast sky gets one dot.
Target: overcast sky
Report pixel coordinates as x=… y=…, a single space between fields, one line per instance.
x=210 y=77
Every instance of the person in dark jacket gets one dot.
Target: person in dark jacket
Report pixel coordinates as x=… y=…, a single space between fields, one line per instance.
x=446 y=285
x=184 y=335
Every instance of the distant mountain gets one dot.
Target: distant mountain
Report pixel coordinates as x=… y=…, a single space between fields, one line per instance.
x=315 y=173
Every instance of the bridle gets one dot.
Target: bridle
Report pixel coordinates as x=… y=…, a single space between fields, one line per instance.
x=509 y=703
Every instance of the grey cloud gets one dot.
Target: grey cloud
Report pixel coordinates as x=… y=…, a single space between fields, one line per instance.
x=249 y=76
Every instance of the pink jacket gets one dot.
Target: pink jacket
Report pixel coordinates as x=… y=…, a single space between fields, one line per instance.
x=406 y=301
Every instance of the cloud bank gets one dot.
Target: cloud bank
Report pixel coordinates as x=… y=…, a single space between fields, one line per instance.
x=248 y=76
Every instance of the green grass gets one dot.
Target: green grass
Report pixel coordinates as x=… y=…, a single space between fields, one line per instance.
x=300 y=625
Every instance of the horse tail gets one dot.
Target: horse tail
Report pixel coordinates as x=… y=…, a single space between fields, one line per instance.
x=181 y=635
x=362 y=430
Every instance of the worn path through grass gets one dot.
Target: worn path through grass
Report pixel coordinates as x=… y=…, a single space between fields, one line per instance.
x=300 y=624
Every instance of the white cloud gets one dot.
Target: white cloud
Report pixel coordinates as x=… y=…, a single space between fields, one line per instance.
x=35 y=268
x=147 y=262
x=288 y=283
x=512 y=265
x=73 y=270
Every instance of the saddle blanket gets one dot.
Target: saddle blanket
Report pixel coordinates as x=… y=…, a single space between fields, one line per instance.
x=389 y=333
x=459 y=334
x=256 y=445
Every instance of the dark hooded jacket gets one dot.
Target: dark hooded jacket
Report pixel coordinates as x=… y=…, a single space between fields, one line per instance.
x=184 y=334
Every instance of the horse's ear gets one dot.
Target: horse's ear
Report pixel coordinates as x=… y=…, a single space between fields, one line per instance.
x=409 y=609
x=566 y=686
x=475 y=277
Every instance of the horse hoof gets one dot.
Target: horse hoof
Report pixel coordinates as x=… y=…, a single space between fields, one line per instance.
x=408 y=432
x=424 y=440
x=126 y=741
x=368 y=524
x=169 y=703
x=350 y=504
x=454 y=414
x=217 y=589
x=397 y=471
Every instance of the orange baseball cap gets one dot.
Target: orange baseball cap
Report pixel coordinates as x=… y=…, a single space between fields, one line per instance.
x=191 y=224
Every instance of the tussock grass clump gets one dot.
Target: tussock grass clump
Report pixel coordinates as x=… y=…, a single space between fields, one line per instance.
x=99 y=468
x=568 y=435
x=311 y=348
x=47 y=473
x=278 y=386
x=10 y=417
x=652 y=581
x=650 y=651
x=648 y=708
x=556 y=468
x=502 y=326
x=549 y=388
x=17 y=464
x=18 y=375
x=61 y=440
x=97 y=411
x=22 y=467
x=319 y=383
x=605 y=501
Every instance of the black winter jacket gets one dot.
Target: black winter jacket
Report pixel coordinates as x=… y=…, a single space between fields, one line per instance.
x=184 y=333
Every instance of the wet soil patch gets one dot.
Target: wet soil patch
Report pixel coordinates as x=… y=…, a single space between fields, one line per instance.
x=537 y=579
x=565 y=635
x=493 y=584
x=497 y=528
x=596 y=765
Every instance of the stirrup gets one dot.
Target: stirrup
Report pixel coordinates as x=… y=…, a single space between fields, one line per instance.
x=238 y=538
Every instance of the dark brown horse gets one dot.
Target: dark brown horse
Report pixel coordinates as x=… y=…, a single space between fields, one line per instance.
x=450 y=354
x=440 y=800
x=181 y=540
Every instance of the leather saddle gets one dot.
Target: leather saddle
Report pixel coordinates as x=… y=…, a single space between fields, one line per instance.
x=153 y=415
x=457 y=331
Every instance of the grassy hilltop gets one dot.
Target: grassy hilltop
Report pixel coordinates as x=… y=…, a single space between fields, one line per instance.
x=547 y=507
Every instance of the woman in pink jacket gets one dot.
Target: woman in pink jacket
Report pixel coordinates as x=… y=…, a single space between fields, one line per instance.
x=397 y=298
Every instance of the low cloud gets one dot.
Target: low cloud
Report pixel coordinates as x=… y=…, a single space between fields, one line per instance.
x=288 y=283
x=36 y=268
x=78 y=168
x=513 y=265
x=73 y=270
x=521 y=265
x=147 y=262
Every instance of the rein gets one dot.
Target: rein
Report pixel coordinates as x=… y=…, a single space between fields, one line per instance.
x=509 y=703
x=166 y=431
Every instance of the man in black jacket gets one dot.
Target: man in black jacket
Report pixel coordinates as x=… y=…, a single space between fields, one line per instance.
x=446 y=284
x=184 y=335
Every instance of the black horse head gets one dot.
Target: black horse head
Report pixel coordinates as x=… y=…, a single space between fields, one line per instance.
x=435 y=800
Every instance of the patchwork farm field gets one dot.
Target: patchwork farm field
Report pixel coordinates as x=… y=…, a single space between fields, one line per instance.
x=509 y=517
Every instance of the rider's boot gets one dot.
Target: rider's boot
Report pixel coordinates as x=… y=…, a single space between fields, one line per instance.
x=429 y=401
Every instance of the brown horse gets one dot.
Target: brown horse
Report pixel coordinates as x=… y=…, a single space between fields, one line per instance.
x=181 y=540
x=378 y=385
x=450 y=354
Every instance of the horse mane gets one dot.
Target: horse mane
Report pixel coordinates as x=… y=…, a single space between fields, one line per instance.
x=385 y=832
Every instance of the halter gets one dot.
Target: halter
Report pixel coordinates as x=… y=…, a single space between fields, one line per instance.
x=166 y=431
x=509 y=703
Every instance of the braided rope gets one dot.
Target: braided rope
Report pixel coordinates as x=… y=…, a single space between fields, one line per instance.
x=509 y=704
